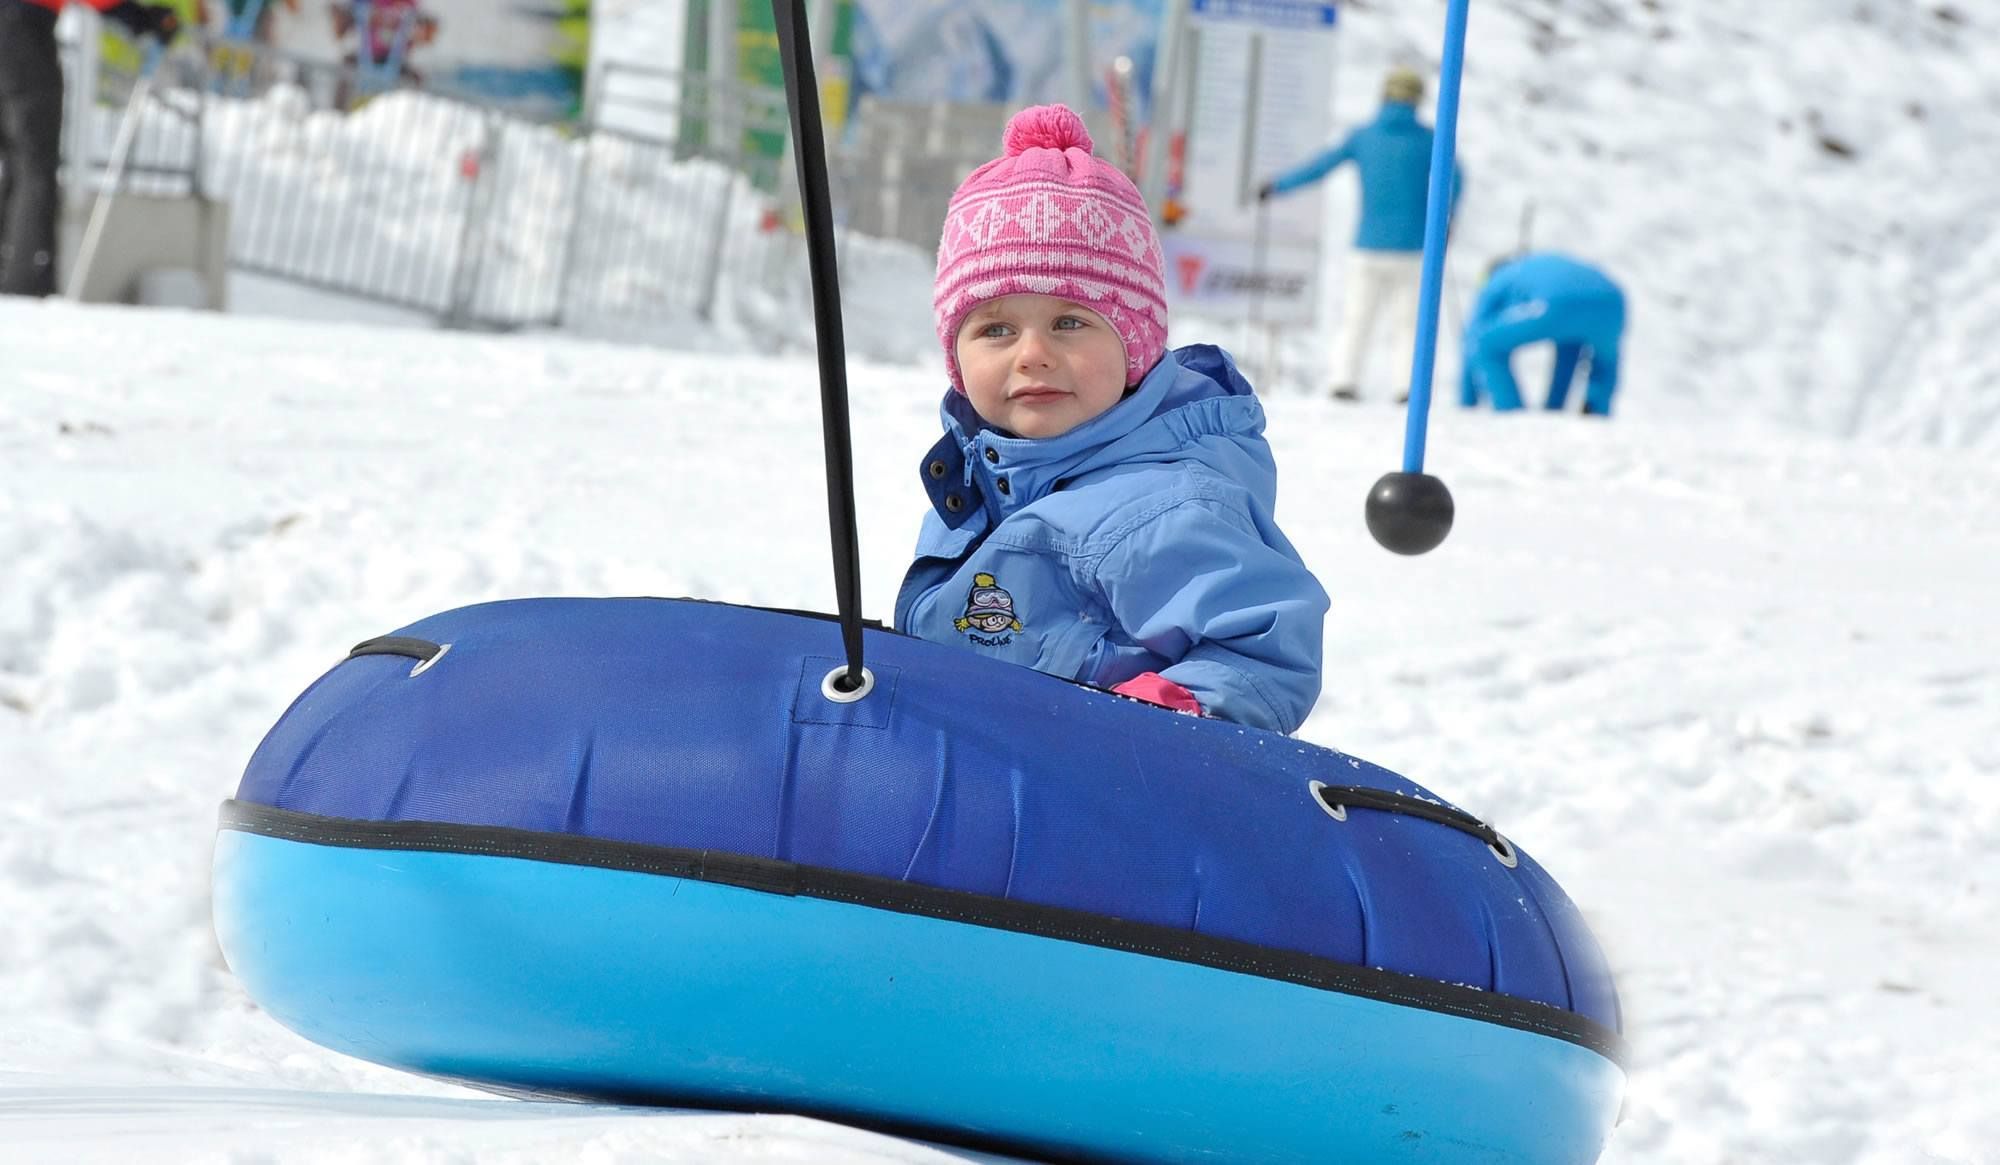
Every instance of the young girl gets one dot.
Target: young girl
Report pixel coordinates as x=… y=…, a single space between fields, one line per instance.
x=1100 y=508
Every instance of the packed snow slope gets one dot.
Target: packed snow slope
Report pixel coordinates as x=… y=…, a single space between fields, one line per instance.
x=1738 y=692
x=1798 y=196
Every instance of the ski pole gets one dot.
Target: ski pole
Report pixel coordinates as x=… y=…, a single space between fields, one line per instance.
x=1411 y=512
x=121 y=152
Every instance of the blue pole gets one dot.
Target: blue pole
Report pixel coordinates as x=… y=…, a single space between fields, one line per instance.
x=1437 y=216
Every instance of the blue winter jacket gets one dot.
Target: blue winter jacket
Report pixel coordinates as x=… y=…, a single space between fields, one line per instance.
x=1141 y=540
x=1551 y=284
x=1393 y=153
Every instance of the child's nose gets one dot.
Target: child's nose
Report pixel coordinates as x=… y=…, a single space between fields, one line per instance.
x=1034 y=349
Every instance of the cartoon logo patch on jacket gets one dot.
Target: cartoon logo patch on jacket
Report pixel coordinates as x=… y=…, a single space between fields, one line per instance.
x=989 y=609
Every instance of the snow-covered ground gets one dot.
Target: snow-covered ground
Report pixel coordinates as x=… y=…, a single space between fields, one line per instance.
x=1741 y=695
x=1728 y=666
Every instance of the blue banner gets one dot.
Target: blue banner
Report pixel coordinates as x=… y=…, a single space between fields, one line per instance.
x=1270 y=13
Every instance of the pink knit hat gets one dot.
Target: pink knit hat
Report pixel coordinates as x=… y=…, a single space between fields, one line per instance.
x=1047 y=217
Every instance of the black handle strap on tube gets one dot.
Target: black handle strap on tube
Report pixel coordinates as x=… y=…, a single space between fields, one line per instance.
x=809 y=148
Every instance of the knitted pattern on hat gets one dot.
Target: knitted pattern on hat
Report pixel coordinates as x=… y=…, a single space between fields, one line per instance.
x=1048 y=218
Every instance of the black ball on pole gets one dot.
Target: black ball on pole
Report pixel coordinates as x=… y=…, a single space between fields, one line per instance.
x=1409 y=513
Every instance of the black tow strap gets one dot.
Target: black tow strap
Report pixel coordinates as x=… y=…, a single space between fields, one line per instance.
x=1361 y=797
x=809 y=148
x=406 y=645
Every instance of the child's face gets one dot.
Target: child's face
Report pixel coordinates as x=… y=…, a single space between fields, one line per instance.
x=1038 y=366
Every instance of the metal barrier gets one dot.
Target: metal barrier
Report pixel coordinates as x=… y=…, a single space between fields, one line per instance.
x=480 y=217
x=901 y=163
x=372 y=203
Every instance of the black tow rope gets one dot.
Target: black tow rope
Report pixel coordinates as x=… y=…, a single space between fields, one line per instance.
x=809 y=147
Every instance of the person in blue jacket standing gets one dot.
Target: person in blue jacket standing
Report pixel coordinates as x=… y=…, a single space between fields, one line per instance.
x=1392 y=154
x=1544 y=297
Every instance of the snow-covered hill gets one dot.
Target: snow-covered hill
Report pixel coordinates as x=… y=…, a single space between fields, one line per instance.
x=1738 y=693
x=1725 y=665
x=1797 y=195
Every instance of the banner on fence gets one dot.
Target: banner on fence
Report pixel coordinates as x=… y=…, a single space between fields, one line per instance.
x=526 y=58
x=1007 y=52
x=757 y=65
x=1263 y=84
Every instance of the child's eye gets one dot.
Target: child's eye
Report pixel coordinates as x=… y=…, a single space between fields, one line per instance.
x=994 y=331
x=1070 y=323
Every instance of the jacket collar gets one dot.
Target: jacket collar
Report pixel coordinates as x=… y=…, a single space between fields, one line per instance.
x=1198 y=386
x=1397 y=113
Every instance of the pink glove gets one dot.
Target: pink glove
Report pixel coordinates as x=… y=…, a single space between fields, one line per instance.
x=1155 y=688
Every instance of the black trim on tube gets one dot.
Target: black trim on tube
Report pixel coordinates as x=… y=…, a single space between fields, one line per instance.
x=772 y=876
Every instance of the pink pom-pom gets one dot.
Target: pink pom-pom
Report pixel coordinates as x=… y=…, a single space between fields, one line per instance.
x=1047 y=127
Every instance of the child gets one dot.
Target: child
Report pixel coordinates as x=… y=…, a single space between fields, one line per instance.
x=1100 y=508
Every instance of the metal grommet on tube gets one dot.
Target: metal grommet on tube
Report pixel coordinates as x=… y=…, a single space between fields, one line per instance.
x=831 y=689
x=1334 y=809
x=424 y=665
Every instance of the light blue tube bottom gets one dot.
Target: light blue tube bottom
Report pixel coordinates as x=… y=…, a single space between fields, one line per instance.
x=579 y=980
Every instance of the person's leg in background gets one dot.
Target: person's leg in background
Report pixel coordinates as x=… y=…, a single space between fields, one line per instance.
x=31 y=99
x=1491 y=353
x=1357 y=322
x=6 y=178
x=1604 y=339
x=1468 y=375
x=1489 y=368
x=1402 y=278
x=1568 y=354
x=1603 y=382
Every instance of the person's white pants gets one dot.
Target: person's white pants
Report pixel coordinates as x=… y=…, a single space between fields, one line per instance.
x=1379 y=283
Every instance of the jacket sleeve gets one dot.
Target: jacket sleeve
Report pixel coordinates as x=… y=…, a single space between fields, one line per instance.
x=1242 y=620
x=1493 y=299
x=1314 y=168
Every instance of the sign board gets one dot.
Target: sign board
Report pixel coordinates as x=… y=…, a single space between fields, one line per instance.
x=1263 y=74
x=1267 y=13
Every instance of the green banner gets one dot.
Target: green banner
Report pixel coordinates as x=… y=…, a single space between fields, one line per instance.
x=759 y=64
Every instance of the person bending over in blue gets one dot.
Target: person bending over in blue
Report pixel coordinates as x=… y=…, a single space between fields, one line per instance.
x=1392 y=154
x=1100 y=507
x=1538 y=297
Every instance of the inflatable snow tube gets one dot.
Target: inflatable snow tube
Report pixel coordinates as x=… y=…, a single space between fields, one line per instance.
x=635 y=850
